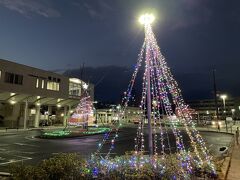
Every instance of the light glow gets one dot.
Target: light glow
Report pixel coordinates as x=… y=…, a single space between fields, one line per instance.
x=224 y=96
x=13 y=102
x=146 y=19
x=85 y=86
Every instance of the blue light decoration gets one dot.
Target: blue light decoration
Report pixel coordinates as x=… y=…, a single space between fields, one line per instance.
x=95 y=172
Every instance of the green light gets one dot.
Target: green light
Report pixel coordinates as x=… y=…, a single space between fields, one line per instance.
x=62 y=133
x=57 y=133
x=96 y=130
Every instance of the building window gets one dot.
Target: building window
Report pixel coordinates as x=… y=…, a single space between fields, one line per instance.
x=0 y=74
x=75 y=87
x=18 y=79
x=53 y=84
x=43 y=84
x=13 y=78
x=37 y=83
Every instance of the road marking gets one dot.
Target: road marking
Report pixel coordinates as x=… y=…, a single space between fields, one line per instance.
x=5 y=174
x=3 y=145
x=14 y=161
x=29 y=152
x=31 y=138
x=23 y=144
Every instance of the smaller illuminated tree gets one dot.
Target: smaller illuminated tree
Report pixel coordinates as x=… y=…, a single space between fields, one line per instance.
x=83 y=114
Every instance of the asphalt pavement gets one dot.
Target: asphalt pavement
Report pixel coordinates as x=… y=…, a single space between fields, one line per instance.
x=25 y=147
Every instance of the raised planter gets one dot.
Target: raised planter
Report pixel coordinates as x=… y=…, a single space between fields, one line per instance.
x=59 y=134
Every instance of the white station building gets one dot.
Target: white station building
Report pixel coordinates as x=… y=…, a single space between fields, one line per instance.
x=30 y=97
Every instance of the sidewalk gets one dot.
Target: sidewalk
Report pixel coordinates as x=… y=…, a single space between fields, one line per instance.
x=234 y=170
x=7 y=131
x=4 y=131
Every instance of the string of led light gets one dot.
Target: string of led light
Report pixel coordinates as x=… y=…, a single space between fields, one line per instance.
x=125 y=100
x=165 y=91
x=129 y=92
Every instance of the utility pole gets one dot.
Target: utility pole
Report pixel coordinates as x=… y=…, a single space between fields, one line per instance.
x=215 y=97
x=215 y=93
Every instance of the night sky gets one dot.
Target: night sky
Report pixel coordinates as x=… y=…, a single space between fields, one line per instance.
x=194 y=35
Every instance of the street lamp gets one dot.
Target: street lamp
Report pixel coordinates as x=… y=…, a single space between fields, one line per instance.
x=146 y=19
x=223 y=97
x=118 y=107
x=233 y=111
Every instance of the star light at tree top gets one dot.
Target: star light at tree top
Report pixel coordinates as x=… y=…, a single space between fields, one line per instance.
x=161 y=104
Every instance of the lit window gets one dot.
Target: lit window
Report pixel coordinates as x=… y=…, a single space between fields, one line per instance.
x=49 y=85
x=75 y=88
x=54 y=86
x=43 y=84
x=37 y=83
x=57 y=87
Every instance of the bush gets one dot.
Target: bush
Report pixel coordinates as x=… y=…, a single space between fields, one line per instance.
x=62 y=166
x=20 y=171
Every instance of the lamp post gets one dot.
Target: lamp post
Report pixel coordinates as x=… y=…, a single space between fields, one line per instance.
x=223 y=97
x=147 y=20
x=233 y=113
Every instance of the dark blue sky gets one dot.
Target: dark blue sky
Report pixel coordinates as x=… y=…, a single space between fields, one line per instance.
x=194 y=35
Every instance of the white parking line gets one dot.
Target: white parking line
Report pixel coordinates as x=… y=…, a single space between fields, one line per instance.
x=14 y=161
x=23 y=144
x=31 y=138
x=3 y=145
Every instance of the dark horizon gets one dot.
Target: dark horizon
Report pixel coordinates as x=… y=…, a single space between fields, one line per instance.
x=106 y=91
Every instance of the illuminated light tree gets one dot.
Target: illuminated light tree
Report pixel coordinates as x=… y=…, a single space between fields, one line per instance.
x=83 y=114
x=161 y=103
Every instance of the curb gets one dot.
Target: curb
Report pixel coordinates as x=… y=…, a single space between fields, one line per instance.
x=8 y=134
x=227 y=160
x=68 y=137
x=232 y=145
x=5 y=174
x=215 y=132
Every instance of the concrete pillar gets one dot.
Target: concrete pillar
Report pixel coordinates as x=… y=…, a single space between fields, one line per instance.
x=65 y=117
x=97 y=118
x=49 y=115
x=49 y=110
x=25 y=119
x=68 y=113
x=106 y=118
x=37 y=117
x=15 y=117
